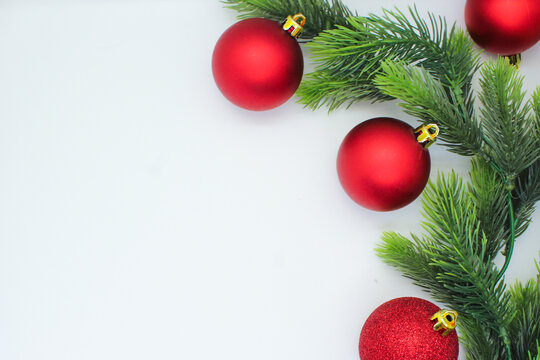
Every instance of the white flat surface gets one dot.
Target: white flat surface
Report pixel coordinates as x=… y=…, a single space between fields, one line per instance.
x=142 y=216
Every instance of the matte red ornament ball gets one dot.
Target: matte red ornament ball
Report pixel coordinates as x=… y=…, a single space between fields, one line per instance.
x=401 y=329
x=257 y=65
x=505 y=27
x=381 y=165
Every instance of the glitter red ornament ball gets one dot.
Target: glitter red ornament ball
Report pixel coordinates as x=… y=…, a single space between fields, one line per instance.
x=505 y=27
x=409 y=328
x=383 y=163
x=258 y=64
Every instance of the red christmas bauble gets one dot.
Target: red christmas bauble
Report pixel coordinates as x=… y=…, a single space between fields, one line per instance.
x=257 y=64
x=504 y=27
x=381 y=165
x=402 y=329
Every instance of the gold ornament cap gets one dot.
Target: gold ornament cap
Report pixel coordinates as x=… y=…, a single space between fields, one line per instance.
x=427 y=134
x=446 y=320
x=514 y=59
x=294 y=25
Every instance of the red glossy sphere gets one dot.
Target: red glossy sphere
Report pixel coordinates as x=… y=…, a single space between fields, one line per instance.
x=401 y=329
x=504 y=27
x=381 y=165
x=257 y=65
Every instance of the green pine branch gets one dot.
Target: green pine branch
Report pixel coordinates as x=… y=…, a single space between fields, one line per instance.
x=452 y=263
x=508 y=121
x=349 y=58
x=410 y=258
x=320 y=15
x=427 y=98
x=487 y=191
x=448 y=260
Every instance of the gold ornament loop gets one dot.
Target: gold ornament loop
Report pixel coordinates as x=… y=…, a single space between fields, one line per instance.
x=294 y=25
x=446 y=320
x=302 y=22
x=427 y=134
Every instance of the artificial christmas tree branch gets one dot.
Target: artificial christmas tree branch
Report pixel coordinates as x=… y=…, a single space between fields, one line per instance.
x=490 y=199
x=429 y=68
x=510 y=129
x=506 y=114
x=454 y=248
x=426 y=98
x=350 y=57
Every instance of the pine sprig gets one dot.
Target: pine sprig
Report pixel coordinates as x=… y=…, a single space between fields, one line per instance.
x=321 y=88
x=320 y=15
x=409 y=257
x=425 y=97
x=459 y=272
x=452 y=226
x=350 y=57
x=487 y=191
x=509 y=125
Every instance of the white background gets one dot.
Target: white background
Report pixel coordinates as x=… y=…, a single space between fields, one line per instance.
x=142 y=216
